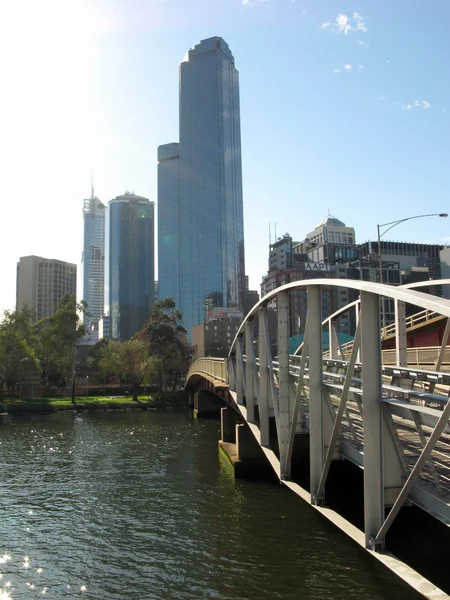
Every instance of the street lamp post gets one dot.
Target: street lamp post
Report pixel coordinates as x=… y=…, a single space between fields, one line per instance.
x=87 y=386
x=389 y=226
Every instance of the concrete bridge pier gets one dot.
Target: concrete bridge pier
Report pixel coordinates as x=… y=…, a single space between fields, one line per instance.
x=207 y=405
x=228 y=421
x=240 y=450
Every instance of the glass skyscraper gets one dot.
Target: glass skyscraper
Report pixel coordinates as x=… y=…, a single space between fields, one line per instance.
x=93 y=257
x=130 y=264
x=200 y=219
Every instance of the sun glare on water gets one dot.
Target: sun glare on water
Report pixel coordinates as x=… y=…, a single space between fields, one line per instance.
x=13 y=581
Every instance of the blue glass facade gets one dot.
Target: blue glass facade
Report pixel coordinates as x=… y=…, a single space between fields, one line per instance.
x=93 y=257
x=169 y=223
x=201 y=233
x=130 y=260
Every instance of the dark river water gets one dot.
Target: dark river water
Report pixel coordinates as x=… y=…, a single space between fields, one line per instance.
x=138 y=505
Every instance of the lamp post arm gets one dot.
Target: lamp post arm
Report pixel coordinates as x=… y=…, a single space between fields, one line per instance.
x=394 y=223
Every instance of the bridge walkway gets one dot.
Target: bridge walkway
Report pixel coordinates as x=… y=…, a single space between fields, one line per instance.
x=391 y=420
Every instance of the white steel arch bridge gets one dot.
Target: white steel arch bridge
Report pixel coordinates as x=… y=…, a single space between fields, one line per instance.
x=392 y=420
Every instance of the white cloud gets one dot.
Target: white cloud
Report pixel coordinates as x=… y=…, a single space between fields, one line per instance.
x=422 y=104
x=348 y=68
x=254 y=2
x=345 y=24
x=361 y=43
x=342 y=24
x=360 y=25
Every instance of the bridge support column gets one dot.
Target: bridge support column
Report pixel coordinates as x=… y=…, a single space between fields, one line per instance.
x=263 y=396
x=284 y=412
x=207 y=405
x=247 y=448
x=316 y=416
x=400 y=334
x=372 y=419
x=245 y=456
x=249 y=372
x=228 y=419
x=333 y=340
x=240 y=384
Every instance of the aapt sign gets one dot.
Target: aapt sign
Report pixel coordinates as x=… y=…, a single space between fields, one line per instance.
x=318 y=266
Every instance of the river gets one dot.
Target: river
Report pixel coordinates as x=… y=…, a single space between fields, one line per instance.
x=138 y=505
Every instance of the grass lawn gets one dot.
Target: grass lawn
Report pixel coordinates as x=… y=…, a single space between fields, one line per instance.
x=67 y=401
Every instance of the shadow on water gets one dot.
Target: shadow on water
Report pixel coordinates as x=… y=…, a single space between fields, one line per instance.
x=415 y=537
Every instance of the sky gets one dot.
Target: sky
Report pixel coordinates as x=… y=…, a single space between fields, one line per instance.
x=345 y=108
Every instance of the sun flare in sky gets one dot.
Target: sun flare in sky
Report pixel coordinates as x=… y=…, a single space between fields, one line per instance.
x=342 y=108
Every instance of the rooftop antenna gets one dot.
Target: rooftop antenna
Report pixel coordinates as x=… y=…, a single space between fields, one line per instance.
x=270 y=237
x=92 y=187
x=275 y=232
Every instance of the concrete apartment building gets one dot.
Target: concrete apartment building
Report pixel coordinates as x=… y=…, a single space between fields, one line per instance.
x=42 y=282
x=215 y=336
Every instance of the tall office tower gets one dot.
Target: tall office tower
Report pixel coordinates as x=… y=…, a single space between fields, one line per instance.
x=169 y=223
x=201 y=223
x=93 y=257
x=130 y=264
x=42 y=282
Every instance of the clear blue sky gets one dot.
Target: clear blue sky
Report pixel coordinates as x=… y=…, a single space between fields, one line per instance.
x=344 y=107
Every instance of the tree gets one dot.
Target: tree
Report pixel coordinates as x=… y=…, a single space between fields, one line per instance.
x=166 y=339
x=17 y=360
x=56 y=339
x=17 y=355
x=130 y=361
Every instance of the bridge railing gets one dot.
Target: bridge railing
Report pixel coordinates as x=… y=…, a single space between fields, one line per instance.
x=210 y=367
x=390 y=418
x=424 y=357
x=392 y=329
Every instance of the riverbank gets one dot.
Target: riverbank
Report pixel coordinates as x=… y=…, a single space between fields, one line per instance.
x=161 y=401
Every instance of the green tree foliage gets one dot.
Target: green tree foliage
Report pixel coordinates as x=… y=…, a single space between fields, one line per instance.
x=17 y=358
x=130 y=361
x=28 y=349
x=166 y=339
x=56 y=338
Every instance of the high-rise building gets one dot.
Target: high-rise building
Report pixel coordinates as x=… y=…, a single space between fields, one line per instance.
x=201 y=224
x=129 y=264
x=42 y=282
x=169 y=226
x=93 y=257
